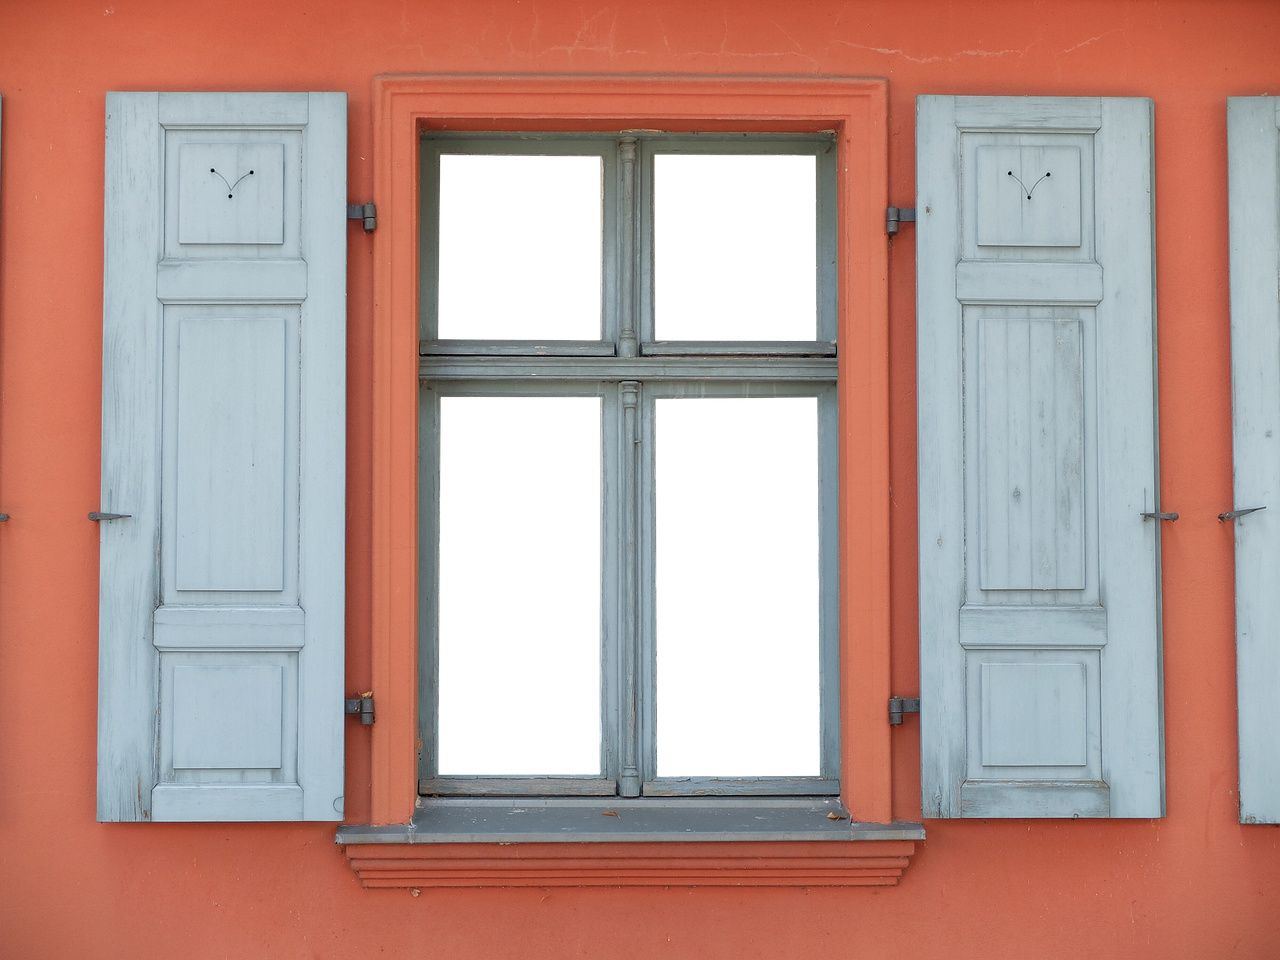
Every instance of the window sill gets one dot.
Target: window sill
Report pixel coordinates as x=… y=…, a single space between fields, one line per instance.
x=652 y=842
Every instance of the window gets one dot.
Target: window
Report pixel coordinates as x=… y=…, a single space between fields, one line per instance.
x=570 y=839
x=628 y=471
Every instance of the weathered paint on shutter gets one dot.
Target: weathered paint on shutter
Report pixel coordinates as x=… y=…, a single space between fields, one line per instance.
x=1039 y=577
x=221 y=605
x=1253 y=147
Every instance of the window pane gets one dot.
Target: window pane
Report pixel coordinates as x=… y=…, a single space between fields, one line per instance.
x=737 y=587
x=519 y=586
x=735 y=247
x=520 y=247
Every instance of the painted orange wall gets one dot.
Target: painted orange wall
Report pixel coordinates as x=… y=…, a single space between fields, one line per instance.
x=1195 y=884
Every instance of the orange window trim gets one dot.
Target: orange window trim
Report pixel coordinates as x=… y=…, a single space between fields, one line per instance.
x=856 y=109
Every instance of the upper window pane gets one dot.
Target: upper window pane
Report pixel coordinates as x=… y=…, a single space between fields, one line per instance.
x=521 y=240
x=735 y=247
x=519 y=634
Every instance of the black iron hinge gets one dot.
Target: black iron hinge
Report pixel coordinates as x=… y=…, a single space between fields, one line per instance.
x=900 y=705
x=368 y=212
x=362 y=706
x=896 y=215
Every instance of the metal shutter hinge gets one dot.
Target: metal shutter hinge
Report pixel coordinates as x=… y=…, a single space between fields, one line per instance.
x=362 y=706
x=900 y=705
x=1237 y=514
x=368 y=212
x=95 y=516
x=1161 y=516
x=896 y=215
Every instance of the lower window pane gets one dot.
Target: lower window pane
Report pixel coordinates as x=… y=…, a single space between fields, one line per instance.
x=737 y=587
x=519 y=627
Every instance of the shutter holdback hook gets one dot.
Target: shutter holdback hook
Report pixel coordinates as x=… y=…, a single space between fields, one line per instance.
x=1155 y=514
x=1237 y=514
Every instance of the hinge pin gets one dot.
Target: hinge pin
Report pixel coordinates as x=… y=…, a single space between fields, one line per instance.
x=896 y=215
x=900 y=705
x=368 y=212
x=361 y=706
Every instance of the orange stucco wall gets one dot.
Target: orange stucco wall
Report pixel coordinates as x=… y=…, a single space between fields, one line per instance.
x=1195 y=884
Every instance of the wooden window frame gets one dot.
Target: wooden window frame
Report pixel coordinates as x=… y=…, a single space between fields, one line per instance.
x=855 y=111
x=725 y=368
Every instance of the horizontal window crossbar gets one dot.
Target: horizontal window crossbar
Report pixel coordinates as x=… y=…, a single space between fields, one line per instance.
x=509 y=786
x=801 y=369
x=513 y=347
x=741 y=786
x=740 y=348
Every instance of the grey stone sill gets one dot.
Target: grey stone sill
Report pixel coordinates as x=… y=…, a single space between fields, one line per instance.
x=648 y=820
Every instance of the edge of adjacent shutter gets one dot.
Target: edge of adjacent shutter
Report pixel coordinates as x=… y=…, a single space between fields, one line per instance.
x=128 y=720
x=323 y=436
x=1254 y=217
x=939 y=502
x=1132 y=677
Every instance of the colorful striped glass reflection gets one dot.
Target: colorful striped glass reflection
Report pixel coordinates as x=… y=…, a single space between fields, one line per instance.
x=735 y=247
x=520 y=246
x=737 y=666
x=520 y=508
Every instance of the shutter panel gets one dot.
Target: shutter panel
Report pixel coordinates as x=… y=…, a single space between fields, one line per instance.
x=221 y=597
x=1253 y=147
x=1039 y=577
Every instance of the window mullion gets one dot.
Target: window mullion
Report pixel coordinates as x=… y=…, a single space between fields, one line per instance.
x=629 y=782
x=628 y=343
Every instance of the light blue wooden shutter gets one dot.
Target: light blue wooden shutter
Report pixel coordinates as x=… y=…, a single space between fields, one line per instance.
x=221 y=634
x=1039 y=577
x=1254 y=172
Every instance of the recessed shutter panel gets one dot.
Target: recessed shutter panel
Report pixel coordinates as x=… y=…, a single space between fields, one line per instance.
x=1039 y=575
x=223 y=443
x=1252 y=151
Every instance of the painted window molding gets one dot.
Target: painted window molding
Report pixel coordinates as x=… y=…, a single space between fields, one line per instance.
x=408 y=107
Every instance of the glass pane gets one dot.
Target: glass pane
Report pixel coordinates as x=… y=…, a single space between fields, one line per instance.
x=735 y=247
x=520 y=247
x=737 y=587
x=519 y=586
